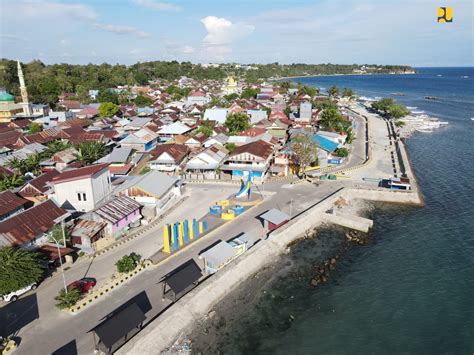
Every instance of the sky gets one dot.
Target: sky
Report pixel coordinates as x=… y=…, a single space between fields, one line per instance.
x=248 y=31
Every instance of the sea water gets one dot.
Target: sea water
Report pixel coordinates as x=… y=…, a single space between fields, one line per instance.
x=411 y=288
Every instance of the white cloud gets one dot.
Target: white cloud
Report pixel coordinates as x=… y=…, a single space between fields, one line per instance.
x=12 y=38
x=221 y=31
x=188 y=49
x=43 y=9
x=157 y=5
x=122 y=30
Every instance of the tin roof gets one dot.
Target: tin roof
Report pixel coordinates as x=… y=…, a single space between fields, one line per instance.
x=31 y=223
x=9 y=202
x=86 y=228
x=117 y=209
x=80 y=173
x=275 y=216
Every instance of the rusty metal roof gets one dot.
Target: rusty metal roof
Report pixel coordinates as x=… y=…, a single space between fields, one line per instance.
x=117 y=209
x=31 y=223
x=86 y=228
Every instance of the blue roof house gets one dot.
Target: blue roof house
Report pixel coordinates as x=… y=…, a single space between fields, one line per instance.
x=325 y=143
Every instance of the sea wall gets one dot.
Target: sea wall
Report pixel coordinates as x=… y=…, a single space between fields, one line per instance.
x=162 y=332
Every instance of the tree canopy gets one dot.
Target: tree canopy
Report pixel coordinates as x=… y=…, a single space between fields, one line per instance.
x=108 y=109
x=333 y=91
x=46 y=82
x=8 y=182
x=236 y=123
x=305 y=153
x=388 y=106
x=142 y=100
x=19 y=268
x=89 y=152
x=35 y=128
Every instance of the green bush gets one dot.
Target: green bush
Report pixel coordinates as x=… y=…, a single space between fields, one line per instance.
x=342 y=152
x=128 y=263
x=69 y=299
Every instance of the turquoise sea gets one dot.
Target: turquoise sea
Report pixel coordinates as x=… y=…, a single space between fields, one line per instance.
x=410 y=290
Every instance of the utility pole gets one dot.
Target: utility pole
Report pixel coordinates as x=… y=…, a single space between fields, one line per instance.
x=291 y=205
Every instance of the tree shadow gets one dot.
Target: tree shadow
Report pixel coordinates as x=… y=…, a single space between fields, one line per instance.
x=16 y=315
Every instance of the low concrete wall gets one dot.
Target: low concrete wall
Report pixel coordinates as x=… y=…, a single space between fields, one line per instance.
x=162 y=332
x=352 y=222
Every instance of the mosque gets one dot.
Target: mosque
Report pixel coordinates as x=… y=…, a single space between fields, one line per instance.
x=231 y=87
x=9 y=110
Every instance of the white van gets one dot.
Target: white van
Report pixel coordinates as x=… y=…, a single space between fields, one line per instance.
x=13 y=296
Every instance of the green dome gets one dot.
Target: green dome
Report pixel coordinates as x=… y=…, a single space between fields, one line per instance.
x=5 y=96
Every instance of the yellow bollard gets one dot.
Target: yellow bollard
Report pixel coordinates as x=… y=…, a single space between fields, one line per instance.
x=201 y=228
x=166 y=239
x=191 y=229
x=181 y=234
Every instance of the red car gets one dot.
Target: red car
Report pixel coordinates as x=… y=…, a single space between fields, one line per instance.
x=83 y=285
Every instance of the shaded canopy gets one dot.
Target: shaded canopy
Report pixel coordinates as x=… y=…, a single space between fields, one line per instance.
x=119 y=325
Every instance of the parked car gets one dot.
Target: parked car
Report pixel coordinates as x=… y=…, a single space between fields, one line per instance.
x=13 y=296
x=83 y=285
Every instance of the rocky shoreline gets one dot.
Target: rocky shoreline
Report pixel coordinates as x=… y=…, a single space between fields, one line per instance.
x=206 y=332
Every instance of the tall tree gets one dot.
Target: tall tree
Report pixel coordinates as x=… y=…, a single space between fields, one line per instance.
x=19 y=268
x=333 y=91
x=108 y=109
x=348 y=93
x=237 y=122
x=305 y=153
x=89 y=152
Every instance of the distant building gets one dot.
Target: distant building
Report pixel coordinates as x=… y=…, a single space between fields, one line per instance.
x=305 y=112
x=216 y=114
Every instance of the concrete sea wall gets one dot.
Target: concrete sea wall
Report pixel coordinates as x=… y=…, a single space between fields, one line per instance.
x=162 y=332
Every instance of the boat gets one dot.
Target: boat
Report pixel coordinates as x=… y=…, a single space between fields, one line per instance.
x=443 y=123
x=439 y=75
x=472 y=118
x=465 y=76
x=431 y=98
x=419 y=112
x=412 y=107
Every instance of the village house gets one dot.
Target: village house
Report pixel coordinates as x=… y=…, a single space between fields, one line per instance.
x=11 y=204
x=196 y=141
x=120 y=161
x=37 y=189
x=253 y=158
x=168 y=157
x=175 y=129
x=198 y=98
x=89 y=236
x=116 y=216
x=82 y=189
x=142 y=140
x=218 y=115
x=220 y=139
x=30 y=228
x=154 y=189
x=205 y=163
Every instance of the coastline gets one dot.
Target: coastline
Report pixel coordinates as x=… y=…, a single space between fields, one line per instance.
x=351 y=74
x=196 y=305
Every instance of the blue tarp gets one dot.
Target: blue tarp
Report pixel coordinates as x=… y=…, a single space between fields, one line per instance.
x=325 y=143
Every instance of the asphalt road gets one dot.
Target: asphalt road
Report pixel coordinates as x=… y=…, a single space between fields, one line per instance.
x=54 y=329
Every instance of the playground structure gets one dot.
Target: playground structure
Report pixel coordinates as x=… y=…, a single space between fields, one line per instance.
x=181 y=233
x=246 y=189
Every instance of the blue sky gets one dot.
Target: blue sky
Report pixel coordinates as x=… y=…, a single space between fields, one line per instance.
x=257 y=31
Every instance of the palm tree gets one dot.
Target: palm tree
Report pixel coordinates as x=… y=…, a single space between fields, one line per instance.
x=56 y=146
x=89 y=152
x=8 y=182
x=17 y=164
x=18 y=268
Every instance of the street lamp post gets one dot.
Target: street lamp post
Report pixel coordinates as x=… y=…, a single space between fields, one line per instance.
x=61 y=263
x=291 y=205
